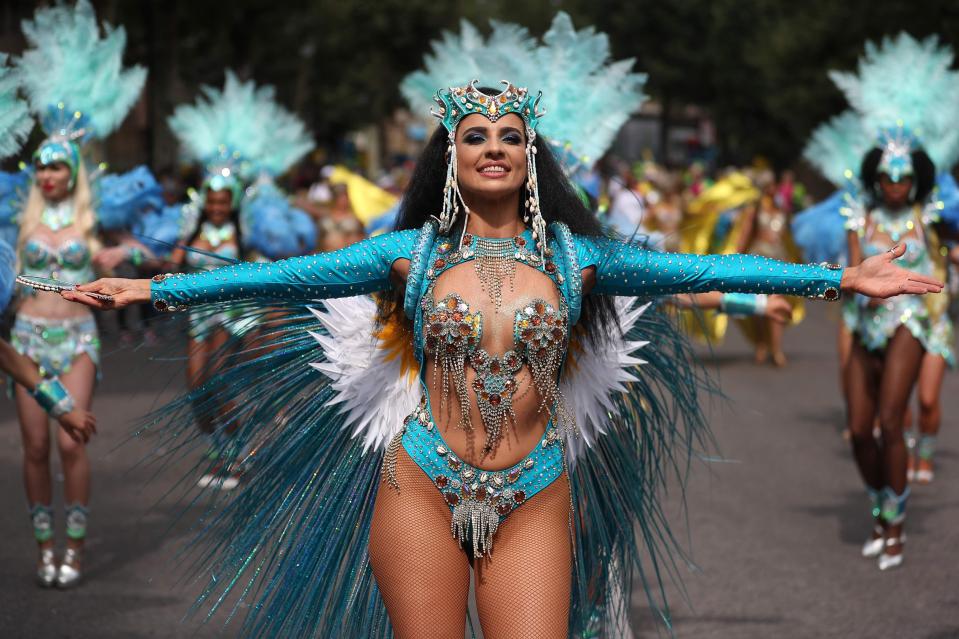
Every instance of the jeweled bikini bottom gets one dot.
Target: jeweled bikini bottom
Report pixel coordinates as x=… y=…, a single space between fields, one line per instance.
x=479 y=499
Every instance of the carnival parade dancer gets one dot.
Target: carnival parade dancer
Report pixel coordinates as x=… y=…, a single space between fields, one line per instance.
x=487 y=294
x=902 y=89
x=244 y=139
x=74 y=81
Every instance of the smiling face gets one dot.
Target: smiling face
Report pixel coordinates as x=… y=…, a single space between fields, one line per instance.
x=217 y=206
x=895 y=194
x=54 y=181
x=490 y=156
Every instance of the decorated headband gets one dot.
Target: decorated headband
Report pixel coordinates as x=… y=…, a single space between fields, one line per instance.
x=66 y=131
x=455 y=103
x=897 y=144
x=224 y=173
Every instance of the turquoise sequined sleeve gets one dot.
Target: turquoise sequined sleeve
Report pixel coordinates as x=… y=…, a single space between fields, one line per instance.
x=361 y=268
x=626 y=269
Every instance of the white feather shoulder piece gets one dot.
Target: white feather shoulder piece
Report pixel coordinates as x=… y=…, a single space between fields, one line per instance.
x=373 y=391
x=598 y=374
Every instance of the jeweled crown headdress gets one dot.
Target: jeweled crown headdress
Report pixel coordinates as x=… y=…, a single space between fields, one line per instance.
x=897 y=144
x=456 y=103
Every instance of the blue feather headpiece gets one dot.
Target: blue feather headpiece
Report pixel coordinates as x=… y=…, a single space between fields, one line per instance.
x=456 y=103
x=74 y=79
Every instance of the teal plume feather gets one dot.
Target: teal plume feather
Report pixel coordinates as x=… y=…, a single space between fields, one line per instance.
x=68 y=62
x=837 y=147
x=586 y=96
x=244 y=120
x=904 y=81
x=15 y=120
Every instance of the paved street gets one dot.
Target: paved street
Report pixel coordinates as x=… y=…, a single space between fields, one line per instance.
x=775 y=529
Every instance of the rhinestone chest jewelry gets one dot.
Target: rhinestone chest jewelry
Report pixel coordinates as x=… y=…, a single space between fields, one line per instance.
x=495 y=263
x=453 y=333
x=59 y=216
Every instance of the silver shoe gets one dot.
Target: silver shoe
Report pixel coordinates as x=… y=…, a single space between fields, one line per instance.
x=888 y=562
x=68 y=576
x=47 y=570
x=873 y=546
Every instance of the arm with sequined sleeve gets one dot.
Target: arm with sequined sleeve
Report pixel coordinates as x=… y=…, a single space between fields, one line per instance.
x=627 y=269
x=361 y=268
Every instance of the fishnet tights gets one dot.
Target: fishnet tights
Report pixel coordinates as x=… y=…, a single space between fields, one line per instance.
x=880 y=385
x=523 y=590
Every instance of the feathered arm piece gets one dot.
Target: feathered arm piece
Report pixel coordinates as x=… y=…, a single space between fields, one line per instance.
x=72 y=76
x=243 y=123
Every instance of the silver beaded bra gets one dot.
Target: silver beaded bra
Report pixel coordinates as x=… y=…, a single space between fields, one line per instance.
x=453 y=332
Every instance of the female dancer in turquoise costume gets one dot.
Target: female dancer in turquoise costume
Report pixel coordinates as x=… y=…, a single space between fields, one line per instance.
x=900 y=86
x=77 y=87
x=491 y=292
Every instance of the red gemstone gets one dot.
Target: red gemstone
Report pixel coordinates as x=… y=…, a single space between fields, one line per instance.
x=495 y=368
x=442 y=481
x=465 y=329
x=503 y=508
x=550 y=267
x=540 y=308
x=481 y=493
x=457 y=316
x=468 y=239
x=536 y=321
x=519 y=496
x=495 y=400
x=451 y=498
x=440 y=263
x=513 y=475
x=557 y=334
x=519 y=241
x=455 y=464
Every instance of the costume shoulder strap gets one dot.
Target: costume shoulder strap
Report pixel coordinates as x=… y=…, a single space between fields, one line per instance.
x=569 y=262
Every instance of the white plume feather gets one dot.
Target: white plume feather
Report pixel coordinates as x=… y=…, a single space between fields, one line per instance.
x=374 y=393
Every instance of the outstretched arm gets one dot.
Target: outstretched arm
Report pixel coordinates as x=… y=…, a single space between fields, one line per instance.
x=364 y=267
x=616 y=268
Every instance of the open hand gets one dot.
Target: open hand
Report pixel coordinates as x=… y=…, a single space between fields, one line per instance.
x=79 y=424
x=122 y=292
x=879 y=277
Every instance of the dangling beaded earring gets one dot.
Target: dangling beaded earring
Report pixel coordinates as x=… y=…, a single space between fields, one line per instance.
x=533 y=210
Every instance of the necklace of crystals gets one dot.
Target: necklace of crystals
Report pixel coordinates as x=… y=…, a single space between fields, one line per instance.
x=495 y=262
x=217 y=235
x=894 y=225
x=57 y=216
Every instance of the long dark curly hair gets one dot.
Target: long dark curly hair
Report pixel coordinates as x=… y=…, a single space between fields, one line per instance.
x=558 y=202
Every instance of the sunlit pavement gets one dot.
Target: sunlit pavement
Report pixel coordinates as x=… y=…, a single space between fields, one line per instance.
x=775 y=529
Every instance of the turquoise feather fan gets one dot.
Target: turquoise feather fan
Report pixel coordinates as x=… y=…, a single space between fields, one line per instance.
x=587 y=96
x=15 y=120
x=70 y=68
x=243 y=121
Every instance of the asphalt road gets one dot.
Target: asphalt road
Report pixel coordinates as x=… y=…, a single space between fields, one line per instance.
x=775 y=528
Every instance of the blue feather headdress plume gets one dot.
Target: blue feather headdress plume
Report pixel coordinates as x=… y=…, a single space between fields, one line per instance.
x=73 y=77
x=904 y=82
x=242 y=125
x=15 y=120
x=587 y=96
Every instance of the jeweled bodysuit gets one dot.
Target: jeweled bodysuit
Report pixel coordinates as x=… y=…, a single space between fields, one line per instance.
x=485 y=364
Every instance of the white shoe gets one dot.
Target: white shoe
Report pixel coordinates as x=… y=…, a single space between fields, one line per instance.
x=888 y=562
x=873 y=545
